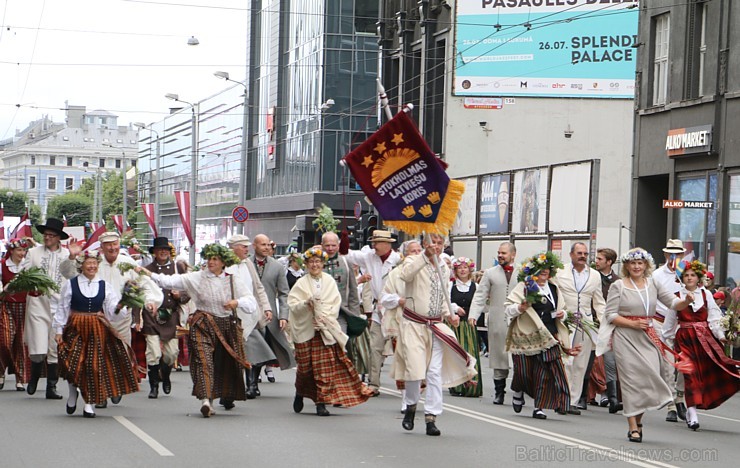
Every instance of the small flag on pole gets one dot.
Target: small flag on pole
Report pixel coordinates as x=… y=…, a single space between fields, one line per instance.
x=148 y=209
x=183 y=206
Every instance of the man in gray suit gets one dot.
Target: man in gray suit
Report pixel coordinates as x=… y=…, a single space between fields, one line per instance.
x=490 y=296
x=272 y=276
x=338 y=268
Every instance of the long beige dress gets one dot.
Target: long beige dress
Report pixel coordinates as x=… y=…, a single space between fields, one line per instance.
x=638 y=359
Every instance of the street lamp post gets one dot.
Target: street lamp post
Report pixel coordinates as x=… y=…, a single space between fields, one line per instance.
x=195 y=108
x=243 y=173
x=157 y=220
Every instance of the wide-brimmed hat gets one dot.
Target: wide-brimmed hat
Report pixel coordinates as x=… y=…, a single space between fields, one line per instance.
x=53 y=224
x=239 y=239
x=160 y=243
x=382 y=236
x=110 y=236
x=674 y=246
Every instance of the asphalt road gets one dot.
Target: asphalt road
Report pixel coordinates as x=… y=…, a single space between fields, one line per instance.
x=170 y=431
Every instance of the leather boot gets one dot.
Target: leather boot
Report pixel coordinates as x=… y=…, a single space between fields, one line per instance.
x=611 y=392
x=154 y=381
x=52 y=377
x=408 y=418
x=432 y=430
x=499 y=385
x=165 y=370
x=251 y=383
x=681 y=411
x=33 y=382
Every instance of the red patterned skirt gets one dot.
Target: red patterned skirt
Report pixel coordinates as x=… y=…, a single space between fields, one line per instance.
x=13 y=352
x=325 y=374
x=95 y=360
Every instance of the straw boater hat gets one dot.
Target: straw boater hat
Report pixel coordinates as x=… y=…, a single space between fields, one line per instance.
x=239 y=239
x=674 y=246
x=53 y=224
x=382 y=236
x=110 y=236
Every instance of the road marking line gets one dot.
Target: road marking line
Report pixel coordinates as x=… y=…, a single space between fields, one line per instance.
x=609 y=453
x=718 y=417
x=146 y=438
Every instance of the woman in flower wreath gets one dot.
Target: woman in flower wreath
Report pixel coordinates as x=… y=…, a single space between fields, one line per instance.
x=93 y=358
x=537 y=337
x=217 y=357
x=700 y=337
x=13 y=352
x=627 y=328
x=325 y=373
x=462 y=290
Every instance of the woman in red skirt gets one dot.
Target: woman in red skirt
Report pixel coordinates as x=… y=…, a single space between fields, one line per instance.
x=13 y=353
x=699 y=337
x=92 y=357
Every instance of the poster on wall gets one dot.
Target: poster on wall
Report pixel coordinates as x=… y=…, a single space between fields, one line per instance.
x=465 y=220
x=530 y=201
x=564 y=48
x=494 y=204
x=570 y=195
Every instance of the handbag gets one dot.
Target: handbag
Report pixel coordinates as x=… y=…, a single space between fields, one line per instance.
x=355 y=325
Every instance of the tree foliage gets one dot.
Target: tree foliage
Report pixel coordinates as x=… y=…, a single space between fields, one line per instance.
x=77 y=208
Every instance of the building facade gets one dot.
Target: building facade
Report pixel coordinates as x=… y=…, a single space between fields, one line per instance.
x=687 y=107
x=47 y=159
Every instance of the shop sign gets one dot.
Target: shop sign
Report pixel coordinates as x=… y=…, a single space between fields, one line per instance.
x=678 y=204
x=690 y=140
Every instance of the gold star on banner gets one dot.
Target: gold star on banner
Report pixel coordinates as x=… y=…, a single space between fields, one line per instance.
x=380 y=147
x=397 y=138
x=368 y=161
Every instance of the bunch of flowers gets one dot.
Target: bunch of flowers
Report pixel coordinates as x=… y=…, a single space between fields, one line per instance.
x=129 y=240
x=528 y=274
x=124 y=267
x=730 y=322
x=576 y=320
x=132 y=295
x=224 y=253
x=34 y=281
x=315 y=252
x=463 y=261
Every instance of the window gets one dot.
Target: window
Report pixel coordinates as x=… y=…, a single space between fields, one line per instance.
x=118 y=163
x=702 y=47
x=102 y=162
x=660 y=59
x=697 y=228
x=52 y=160
x=33 y=160
x=69 y=183
x=696 y=49
x=52 y=183
x=32 y=182
x=119 y=140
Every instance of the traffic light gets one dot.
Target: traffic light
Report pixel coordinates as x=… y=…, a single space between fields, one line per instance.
x=298 y=241
x=368 y=224
x=354 y=242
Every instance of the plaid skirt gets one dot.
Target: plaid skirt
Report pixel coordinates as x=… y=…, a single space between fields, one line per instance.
x=214 y=371
x=325 y=374
x=13 y=351
x=542 y=377
x=95 y=360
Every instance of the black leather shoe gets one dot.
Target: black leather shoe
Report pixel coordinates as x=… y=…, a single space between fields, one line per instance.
x=298 y=404
x=517 y=403
x=681 y=411
x=153 y=391
x=634 y=436
x=671 y=416
x=19 y=387
x=432 y=429
x=71 y=409
x=36 y=369
x=227 y=404
x=581 y=405
x=408 y=418
x=321 y=410
x=101 y=405
x=538 y=414
x=693 y=425
x=270 y=375
x=574 y=411
x=165 y=371
x=51 y=393
x=85 y=414
x=116 y=399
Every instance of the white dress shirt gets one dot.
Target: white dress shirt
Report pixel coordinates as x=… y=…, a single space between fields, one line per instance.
x=210 y=292
x=714 y=314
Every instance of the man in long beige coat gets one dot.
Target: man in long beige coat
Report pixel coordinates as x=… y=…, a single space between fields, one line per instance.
x=490 y=295
x=580 y=287
x=427 y=348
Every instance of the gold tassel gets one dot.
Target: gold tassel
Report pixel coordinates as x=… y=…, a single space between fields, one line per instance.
x=445 y=217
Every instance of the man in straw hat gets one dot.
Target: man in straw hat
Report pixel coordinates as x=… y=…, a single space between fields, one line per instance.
x=376 y=263
x=39 y=334
x=673 y=252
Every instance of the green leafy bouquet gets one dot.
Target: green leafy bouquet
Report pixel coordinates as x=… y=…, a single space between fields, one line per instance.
x=33 y=281
x=132 y=295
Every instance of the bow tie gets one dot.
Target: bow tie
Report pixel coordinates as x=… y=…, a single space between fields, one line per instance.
x=507 y=268
x=261 y=262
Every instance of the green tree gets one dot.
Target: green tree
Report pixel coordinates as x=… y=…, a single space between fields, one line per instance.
x=77 y=208
x=14 y=203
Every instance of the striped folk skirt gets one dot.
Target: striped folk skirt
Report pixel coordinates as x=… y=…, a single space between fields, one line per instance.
x=467 y=336
x=13 y=352
x=542 y=377
x=214 y=371
x=95 y=360
x=325 y=374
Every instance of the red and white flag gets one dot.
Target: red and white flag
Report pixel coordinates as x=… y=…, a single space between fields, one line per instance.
x=23 y=229
x=183 y=206
x=2 y=222
x=92 y=242
x=118 y=221
x=148 y=209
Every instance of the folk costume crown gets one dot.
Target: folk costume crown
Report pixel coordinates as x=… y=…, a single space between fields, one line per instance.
x=80 y=259
x=637 y=254
x=217 y=250
x=542 y=261
x=463 y=261
x=17 y=243
x=316 y=253
x=699 y=268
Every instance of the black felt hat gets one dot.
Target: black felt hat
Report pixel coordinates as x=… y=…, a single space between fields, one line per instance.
x=160 y=243
x=53 y=224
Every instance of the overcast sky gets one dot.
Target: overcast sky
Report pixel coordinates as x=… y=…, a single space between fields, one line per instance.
x=118 y=55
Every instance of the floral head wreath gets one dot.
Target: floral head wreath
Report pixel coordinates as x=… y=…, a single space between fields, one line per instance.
x=298 y=258
x=542 y=261
x=17 y=243
x=463 y=261
x=173 y=252
x=217 y=250
x=316 y=252
x=637 y=254
x=699 y=268
x=80 y=259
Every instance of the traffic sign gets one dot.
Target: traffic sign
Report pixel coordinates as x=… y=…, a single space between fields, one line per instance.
x=240 y=214
x=358 y=210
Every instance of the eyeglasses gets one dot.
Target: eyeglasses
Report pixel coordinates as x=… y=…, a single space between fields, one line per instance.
x=49 y=234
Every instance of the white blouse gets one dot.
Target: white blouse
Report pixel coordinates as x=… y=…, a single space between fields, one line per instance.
x=61 y=305
x=714 y=314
